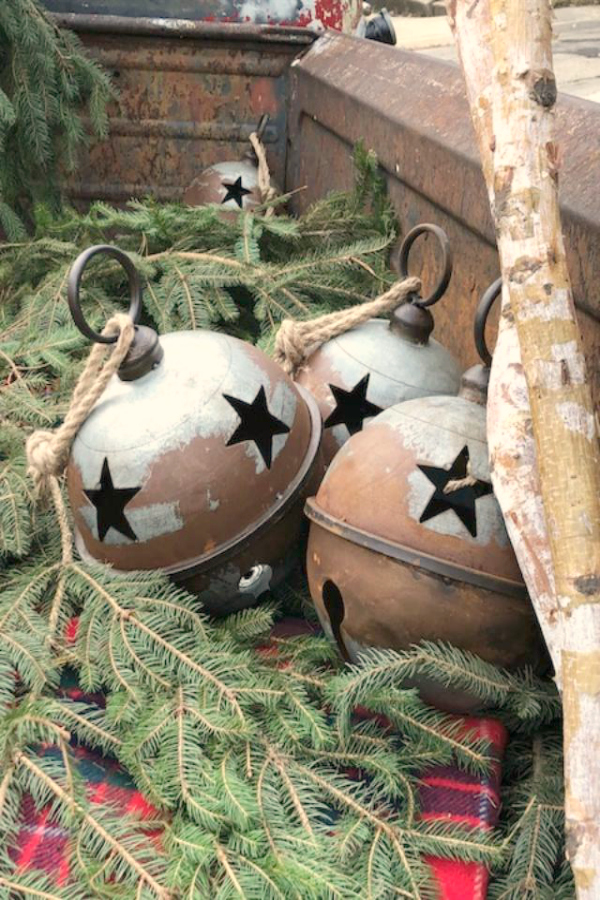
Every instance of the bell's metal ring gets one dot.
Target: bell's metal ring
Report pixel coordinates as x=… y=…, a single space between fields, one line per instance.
x=444 y=279
x=74 y=283
x=481 y=315
x=262 y=125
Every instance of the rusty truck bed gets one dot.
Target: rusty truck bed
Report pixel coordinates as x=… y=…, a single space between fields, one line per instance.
x=191 y=92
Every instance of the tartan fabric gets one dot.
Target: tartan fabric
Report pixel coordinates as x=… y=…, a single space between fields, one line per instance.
x=447 y=794
x=450 y=795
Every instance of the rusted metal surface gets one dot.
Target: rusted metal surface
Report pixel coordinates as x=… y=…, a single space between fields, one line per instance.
x=412 y=111
x=408 y=543
x=143 y=26
x=387 y=603
x=343 y=15
x=199 y=469
x=188 y=98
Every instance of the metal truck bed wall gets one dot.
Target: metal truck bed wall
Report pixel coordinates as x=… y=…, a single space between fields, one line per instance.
x=191 y=92
x=413 y=112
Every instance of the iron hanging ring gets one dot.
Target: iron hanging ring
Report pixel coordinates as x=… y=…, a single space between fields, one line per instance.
x=481 y=315
x=74 y=284
x=447 y=261
x=262 y=125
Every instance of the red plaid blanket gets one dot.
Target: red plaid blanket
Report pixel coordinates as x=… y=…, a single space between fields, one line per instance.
x=447 y=794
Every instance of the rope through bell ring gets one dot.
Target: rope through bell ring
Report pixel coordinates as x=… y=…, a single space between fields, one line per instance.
x=48 y=451
x=265 y=188
x=297 y=340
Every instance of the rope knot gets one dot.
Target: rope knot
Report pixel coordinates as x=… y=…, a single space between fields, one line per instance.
x=265 y=188
x=296 y=341
x=45 y=458
x=48 y=451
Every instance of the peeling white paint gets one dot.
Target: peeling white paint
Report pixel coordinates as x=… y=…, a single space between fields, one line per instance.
x=262 y=12
x=134 y=423
x=148 y=522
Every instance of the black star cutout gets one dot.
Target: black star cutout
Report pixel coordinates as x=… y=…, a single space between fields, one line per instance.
x=460 y=501
x=352 y=407
x=257 y=424
x=110 y=503
x=235 y=192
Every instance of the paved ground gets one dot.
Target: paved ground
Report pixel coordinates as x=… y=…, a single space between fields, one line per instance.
x=576 y=46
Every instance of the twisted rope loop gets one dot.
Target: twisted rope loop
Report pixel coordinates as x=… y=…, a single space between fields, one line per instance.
x=48 y=451
x=266 y=189
x=296 y=341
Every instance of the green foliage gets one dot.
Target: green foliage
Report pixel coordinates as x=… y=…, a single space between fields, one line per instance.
x=243 y=753
x=46 y=82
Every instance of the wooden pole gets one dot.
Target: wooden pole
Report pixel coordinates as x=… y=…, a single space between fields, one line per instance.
x=505 y=49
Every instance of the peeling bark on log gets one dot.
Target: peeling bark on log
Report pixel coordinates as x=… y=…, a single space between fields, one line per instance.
x=505 y=48
x=513 y=460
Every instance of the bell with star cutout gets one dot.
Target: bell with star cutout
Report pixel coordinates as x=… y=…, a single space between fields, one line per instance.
x=362 y=372
x=408 y=543
x=233 y=185
x=196 y=460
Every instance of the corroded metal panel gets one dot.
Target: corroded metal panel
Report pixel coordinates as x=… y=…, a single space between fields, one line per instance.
x=190 y=94
x=412 y=111
x=342 y=15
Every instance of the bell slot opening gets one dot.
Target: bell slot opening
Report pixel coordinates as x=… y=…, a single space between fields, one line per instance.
x=334 y=606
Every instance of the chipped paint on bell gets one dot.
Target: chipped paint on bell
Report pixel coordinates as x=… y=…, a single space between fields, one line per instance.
x=212 y=504
x=135 y=422
x=400 y=369
x=397 y=370
x=147 y=522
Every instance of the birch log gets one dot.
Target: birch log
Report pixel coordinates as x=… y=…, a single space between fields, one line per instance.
x=512 y=447
x=520 y=165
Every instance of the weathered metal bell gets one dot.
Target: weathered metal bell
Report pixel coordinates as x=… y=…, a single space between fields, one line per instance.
x=364 y=371
x=407 y=541
x=232 y=184
x=195 y=461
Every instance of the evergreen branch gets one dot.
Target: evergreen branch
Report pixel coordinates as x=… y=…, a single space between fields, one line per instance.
x=222 y=856
x=129 y=617
x=302 y=814
x=29 y=890
x=69 y=802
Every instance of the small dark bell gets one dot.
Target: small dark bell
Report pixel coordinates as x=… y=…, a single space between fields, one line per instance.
x=233 y=185
x=408 y=543
x=362 y=372
x=196 y=461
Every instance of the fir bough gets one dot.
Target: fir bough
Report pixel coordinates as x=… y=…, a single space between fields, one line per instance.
x=243 y=752
x=46 y=83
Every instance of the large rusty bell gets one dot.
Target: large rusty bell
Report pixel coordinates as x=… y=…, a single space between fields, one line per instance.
x=362 y=372
x=233 y=184
x=196 y=460
x=407 y=541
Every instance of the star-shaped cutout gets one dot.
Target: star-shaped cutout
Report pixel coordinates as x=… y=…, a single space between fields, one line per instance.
x=461 y=500
x=235 y=191
x=257 y=424
x=352 y=407
x=110 y=503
